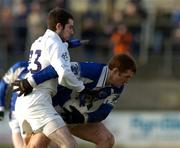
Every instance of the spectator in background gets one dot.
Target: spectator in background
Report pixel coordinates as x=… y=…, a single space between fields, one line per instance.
x=134 y=16
x=89 y=31
x=6 y=35
x=35 y=22
x=20 y=29
x=137 y=7
x=108 y=28
x=116 y=18
x=121 y=40
x=175 y=20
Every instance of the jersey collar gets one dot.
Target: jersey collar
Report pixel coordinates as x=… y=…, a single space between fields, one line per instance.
x=103 y=77
x=55 y=35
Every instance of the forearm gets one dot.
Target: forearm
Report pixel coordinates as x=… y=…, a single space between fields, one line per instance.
x=44 y=75
x=99 y=114
x=70 y=81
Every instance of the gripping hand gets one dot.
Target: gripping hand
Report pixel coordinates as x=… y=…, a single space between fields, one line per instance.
x=85 y=95
x=23 y=86
x=73 y=116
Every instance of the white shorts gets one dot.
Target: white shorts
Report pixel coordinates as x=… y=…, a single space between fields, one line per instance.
x=35 y=111
x=14 y=124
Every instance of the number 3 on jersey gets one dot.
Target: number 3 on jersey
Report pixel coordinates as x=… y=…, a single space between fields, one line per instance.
x=34 y=56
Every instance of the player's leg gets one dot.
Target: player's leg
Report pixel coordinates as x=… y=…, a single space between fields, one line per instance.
x=17 y=140
x=38 y=140
x=96 y=133
x=54 y=130
x=53 y=145
x=61 y=136
x=15 y=130
x=42 y=117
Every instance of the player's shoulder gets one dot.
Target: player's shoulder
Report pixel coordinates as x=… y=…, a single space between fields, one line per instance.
x=92 y=65
x=52 y=38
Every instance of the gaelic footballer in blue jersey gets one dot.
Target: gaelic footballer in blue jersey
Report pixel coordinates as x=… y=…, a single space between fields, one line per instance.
x=106 y=83
x=17 y=71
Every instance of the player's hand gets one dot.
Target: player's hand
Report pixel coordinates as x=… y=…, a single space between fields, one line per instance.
x=1 y=115
x=23 y=86
x=73 y=116
x=76 y=43
x=85 y=95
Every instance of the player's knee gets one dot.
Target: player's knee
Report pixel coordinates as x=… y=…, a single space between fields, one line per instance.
x=107 y=140
x=37 y=145
x=72 y=144
x=110 y=139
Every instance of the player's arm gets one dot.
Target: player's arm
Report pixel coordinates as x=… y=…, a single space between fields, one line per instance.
x=103 y=111
x=61 y=65
x=60 y=60
x=106 y=107
x=76 y=43
x=74 y=116
x=7 y=79
x=43 y=75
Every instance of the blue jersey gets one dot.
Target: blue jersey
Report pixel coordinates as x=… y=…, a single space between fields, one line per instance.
x=94 y=76
x=17 y=71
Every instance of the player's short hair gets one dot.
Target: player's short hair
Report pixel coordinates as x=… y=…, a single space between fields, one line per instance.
x=58 y=15
x=123 y=62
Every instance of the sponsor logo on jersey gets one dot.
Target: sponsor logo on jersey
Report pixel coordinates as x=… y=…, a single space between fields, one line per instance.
x=65 y=56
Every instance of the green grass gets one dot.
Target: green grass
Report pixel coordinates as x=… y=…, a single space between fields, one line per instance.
x=5 y=146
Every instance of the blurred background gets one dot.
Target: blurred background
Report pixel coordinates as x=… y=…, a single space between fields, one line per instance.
x=149 y=29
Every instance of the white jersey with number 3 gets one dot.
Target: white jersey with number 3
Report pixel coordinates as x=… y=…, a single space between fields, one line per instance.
x=50 y=50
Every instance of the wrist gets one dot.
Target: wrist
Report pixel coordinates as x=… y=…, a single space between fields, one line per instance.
x=31 y=81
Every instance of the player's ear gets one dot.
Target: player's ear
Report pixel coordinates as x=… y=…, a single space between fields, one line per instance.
x=115 y=70
x=59 y=27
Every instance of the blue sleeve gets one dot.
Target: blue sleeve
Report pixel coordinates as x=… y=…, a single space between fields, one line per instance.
x=100 y=114
x=19 y=64
x=3 y=89
x=45 y=74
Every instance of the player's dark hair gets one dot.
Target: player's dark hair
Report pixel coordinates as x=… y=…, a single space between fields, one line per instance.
x=123 y=62
x=58 y=15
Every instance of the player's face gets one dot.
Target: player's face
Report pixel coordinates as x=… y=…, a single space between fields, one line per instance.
x=118 y=78
x=68 y=30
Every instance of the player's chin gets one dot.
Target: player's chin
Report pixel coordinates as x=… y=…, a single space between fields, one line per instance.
x=118 y=85
x=67 y=38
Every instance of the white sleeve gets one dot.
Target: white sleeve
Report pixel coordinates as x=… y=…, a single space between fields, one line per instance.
x=60 y=60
